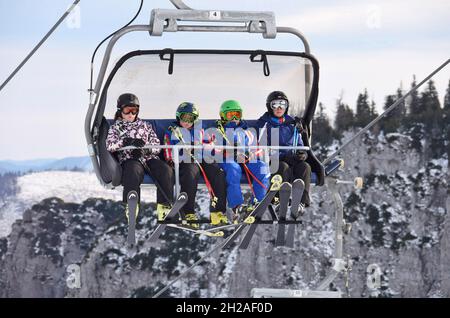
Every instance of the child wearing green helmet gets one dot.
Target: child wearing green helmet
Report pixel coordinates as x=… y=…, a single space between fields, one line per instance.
x=235 y=132
x=192 y=166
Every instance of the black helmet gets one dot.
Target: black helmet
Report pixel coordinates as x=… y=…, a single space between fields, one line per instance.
x=127 y=99
x=273 y=96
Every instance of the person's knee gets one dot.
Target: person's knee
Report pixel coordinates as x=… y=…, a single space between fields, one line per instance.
x=133 y=168
x=283 y=167
x=190 y=171
x=307 y=167
x=303 y=168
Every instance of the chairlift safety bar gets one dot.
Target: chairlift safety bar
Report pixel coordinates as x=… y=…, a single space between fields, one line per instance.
x=215 y=147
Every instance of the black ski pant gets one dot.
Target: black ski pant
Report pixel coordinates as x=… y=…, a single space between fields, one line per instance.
x=296 y=170
x=189 y=177
x=133 y=175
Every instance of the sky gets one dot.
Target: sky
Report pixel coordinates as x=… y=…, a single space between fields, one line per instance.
x=377 y=44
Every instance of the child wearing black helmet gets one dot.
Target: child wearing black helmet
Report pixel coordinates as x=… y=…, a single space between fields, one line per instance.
x=129 y=130
x=292 y=164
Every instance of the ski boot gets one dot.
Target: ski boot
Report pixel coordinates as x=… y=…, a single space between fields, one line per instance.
x=127 y=212
x=300 y=212
x=162 y=210
x=218 y=218
x=192 y=217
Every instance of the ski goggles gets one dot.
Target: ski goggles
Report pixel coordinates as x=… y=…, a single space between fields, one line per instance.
x=233 y=115
x=130 y=110
x=279 y=103
x=188 y=117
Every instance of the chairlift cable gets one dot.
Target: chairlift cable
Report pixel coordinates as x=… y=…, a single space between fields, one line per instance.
x=219 y=246
x=61 y=19
x=100 y=44
x=373 y=122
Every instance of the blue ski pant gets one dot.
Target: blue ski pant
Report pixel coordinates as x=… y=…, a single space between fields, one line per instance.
x=234 y=171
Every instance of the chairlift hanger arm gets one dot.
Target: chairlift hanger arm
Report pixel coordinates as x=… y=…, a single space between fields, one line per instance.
x=179 y=4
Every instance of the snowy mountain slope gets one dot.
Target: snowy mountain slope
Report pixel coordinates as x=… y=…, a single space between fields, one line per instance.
x=24 y=166
x=73 y=187
x=400 y=222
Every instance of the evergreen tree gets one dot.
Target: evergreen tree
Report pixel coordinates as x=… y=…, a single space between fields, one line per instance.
x=447 y=100
x=396 y=117
x=364 y=111
x=401 y=111
x=413 y=105
x=390 y=123
x=323 y=132
x=431 y=117
x=431 y=114
x=344 y=118
x=446 y=122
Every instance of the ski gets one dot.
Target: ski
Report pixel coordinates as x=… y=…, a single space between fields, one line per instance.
x=259 y=210
x=298 y=186
x=285 y=194
x=132 y=202
x=179 y=203
x=209 y=233
x=252 y=228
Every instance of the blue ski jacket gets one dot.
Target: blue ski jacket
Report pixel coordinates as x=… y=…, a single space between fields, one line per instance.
x=287 y=134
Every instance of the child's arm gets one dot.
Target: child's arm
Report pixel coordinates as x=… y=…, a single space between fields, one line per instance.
x=113 y=140
x=153 y=140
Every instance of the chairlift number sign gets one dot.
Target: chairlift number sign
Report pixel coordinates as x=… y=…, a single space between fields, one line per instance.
x=215 y=15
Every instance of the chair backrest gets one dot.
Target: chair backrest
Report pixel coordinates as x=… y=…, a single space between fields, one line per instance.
x=161 y=125
x=110 y=169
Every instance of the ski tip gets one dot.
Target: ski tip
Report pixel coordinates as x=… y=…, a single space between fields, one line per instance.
x=298 y=181
x=183 y=196
x=132 y=195
x=276 y=179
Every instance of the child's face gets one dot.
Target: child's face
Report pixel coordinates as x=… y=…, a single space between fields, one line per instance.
x=185 y=124
x=129 y=113
x=279 y=112
x=279 y=107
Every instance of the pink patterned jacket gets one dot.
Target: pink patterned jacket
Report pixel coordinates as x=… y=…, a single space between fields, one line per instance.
x=138 y=129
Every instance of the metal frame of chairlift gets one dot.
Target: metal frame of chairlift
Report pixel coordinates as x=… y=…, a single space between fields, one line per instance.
x=166 y=20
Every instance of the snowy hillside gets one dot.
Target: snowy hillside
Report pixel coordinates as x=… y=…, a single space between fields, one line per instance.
x=24 y=166
x=400 y=222
x=71 y=187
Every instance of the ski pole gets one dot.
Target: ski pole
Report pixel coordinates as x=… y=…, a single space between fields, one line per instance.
x=214 y=199
x=253 y=176
x=158 y=185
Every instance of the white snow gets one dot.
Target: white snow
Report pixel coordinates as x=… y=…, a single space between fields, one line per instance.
x=69 y=186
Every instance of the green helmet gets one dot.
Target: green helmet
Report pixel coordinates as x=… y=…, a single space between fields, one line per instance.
x=229 y=106
x=187 y=107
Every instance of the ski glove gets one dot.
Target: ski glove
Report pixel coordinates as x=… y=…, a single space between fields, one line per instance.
x=137 y=154
x=301 y=155
x=133 y=142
